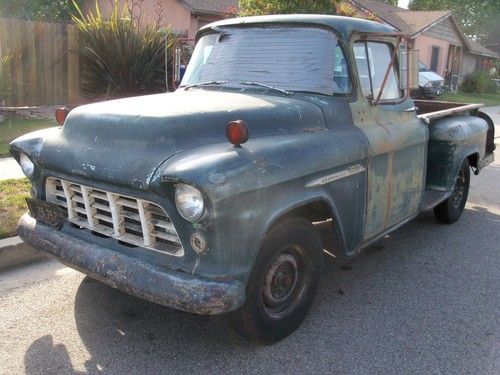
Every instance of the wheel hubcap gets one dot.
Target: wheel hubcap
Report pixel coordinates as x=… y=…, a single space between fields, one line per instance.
x=283 y=284
x=458 y=190
x=280 y=280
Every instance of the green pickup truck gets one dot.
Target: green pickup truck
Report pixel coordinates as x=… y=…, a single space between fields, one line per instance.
x=208 y=199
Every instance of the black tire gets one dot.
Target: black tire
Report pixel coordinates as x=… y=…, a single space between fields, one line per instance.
x=283 y=282
x=450 y=210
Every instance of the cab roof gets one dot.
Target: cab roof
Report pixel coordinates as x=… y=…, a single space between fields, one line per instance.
x=345 y=26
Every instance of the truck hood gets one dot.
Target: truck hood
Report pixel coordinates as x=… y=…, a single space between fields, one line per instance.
x=124 y=141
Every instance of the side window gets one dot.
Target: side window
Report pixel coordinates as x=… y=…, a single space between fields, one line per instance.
x=341 y=79
x=372 y=61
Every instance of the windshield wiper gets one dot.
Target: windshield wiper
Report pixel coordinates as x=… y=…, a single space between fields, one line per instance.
x=208 y=83
x=286 y=92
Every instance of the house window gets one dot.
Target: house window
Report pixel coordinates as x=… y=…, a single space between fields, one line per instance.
x=434 y=58
x=372 y=61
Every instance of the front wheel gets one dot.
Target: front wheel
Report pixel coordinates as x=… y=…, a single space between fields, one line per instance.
x=450 y=210
x=283 y=282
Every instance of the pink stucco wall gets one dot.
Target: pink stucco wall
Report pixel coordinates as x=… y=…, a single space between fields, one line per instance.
x=166 y=13
x=198 y=22
x=424 y=45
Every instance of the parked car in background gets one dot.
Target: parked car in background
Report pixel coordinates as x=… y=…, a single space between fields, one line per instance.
x=430 y=83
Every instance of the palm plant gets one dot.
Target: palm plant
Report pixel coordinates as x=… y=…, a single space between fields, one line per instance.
x=5 y=78
x=117 y=58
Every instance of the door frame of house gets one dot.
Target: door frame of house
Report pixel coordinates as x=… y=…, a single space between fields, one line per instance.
x=453 y=66
x=434 y=63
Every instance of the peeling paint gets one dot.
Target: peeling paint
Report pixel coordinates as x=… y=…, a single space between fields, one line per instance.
x=37 y=147
x=88 y=166
x=216 y=178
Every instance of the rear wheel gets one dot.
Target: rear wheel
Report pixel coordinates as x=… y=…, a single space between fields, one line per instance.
x=283 y=282
x=450 y=210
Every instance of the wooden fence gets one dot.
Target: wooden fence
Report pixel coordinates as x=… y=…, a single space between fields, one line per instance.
x=43 y=68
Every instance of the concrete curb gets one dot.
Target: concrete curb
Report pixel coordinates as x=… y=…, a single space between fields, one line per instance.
x=14 y=253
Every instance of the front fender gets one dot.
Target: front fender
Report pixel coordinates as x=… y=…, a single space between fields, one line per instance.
x=250 y=186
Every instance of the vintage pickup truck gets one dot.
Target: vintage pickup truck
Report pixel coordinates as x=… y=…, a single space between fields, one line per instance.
x=208 y=199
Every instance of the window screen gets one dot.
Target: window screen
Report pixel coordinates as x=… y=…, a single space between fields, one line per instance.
x=291 y=58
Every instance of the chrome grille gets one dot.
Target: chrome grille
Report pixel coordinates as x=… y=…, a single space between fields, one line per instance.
x=129 y=220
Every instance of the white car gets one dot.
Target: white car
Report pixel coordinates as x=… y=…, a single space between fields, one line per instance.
x=430 y=83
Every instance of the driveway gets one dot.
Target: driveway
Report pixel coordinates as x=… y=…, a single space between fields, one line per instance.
x=494 y=113
x=10 y=169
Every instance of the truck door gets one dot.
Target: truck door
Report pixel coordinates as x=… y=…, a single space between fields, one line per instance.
x=397 y=141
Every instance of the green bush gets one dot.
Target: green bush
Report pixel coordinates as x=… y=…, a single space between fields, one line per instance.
x=117 y=58
x=478 y=83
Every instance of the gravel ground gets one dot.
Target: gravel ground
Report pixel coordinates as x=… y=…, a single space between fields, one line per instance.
x=425 y=300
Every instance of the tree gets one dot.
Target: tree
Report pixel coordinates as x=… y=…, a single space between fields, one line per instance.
x=476 y=17
x=38 y=10
x=262 y=7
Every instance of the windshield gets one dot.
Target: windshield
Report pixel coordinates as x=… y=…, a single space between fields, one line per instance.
x=421 y=67
x=292 y=59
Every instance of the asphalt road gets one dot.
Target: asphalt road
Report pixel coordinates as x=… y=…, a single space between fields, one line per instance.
x=425 y=300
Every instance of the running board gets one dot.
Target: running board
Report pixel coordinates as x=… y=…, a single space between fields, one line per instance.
x=431 y=198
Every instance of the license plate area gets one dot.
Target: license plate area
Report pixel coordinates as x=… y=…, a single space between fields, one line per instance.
x=46 y=212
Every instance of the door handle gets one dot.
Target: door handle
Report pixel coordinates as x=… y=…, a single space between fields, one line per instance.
x=411 y=109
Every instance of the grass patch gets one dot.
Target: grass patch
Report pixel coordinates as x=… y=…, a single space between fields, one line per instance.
x=13 y=205
x=10 y=129
x=463 y=97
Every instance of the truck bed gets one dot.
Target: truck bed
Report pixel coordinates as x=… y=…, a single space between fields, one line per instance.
x=438 y=114
x=432 y=109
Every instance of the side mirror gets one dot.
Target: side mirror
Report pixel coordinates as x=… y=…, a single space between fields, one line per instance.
x=413 y=69
x=408 y=67
x=177 y=65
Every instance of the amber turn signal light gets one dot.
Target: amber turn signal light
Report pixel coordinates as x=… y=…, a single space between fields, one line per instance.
x=61 y=114
x=237 y=132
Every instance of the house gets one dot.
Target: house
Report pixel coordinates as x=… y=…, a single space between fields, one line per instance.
x=185 y=17
x=436 y=34
x=477 y=56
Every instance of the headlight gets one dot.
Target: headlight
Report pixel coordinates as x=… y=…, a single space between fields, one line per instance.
x=26 y=165
x=189 y=202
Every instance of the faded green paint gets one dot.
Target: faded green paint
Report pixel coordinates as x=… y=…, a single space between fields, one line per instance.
x=344 y=26
x=451 y=140
x=142 y=147
x=397 y=144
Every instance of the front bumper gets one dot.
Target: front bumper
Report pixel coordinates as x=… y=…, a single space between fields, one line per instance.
x=174 y=289
x=431 y=92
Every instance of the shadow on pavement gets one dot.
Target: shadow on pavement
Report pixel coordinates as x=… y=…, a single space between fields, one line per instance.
x=43 y=357
x=406 y=303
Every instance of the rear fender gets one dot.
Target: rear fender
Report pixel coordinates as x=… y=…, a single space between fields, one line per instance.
x=451 y=140
x=490 y=137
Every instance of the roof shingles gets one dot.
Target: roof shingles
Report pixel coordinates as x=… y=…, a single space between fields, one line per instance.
x=407 y=21
x=414 y=22
x=218 y=7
